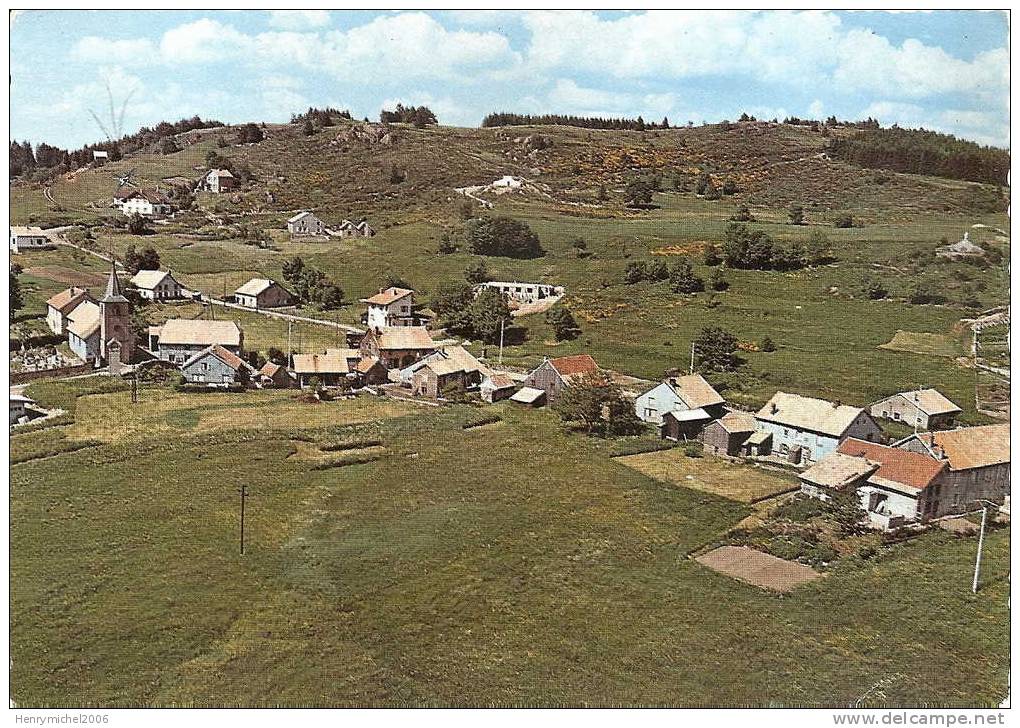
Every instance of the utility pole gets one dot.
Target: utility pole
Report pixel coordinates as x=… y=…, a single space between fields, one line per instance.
x=243 y=490
x=692 y=358
x=290 y=326
x=502 y=322
x=981 y=544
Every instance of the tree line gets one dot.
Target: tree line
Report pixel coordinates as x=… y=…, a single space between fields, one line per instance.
x=420 y=116
x=506 y=118
x=918 y=151
x=47 y=161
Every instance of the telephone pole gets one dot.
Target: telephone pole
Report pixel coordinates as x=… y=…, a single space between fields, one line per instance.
x=981 y=544
x=290 y=326
x=502 y=323
x=243 y=490
x=692 y=358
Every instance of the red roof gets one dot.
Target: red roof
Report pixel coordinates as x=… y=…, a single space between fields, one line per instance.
x=900 y=466
x=568 y=366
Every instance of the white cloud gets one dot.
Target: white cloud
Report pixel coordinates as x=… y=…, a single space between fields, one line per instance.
x=92 y=49
x=816 y=110
x=298 y=19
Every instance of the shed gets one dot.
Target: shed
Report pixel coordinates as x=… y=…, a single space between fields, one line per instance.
x=529 y=396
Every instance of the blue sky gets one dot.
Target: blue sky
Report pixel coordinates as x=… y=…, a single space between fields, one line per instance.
x=944 y=70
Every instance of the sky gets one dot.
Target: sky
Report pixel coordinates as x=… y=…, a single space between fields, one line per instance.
x=943 y=70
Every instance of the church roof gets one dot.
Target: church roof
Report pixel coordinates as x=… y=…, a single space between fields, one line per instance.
x=113 y=291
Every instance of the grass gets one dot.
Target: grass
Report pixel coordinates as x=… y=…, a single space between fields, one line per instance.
x=736 y=481
x=918 y=343
x=508 y=580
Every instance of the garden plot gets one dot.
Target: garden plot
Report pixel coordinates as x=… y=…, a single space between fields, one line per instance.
x=758 y=569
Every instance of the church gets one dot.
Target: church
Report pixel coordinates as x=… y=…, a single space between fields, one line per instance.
x=98 y=332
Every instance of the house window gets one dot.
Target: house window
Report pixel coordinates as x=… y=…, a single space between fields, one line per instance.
x=885 y=413
x=896 y=415
x=649 y=412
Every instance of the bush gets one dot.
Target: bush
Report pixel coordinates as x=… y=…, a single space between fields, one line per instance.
x=767 y=345
x=502 y=236
x=796 y=214
x=682 y=278
x=563 y=324
x=844 y=221
x=743 y=214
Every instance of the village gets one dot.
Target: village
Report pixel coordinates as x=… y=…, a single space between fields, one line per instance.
x=940 y=471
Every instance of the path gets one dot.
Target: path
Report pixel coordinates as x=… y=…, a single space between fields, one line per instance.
x=279 y=314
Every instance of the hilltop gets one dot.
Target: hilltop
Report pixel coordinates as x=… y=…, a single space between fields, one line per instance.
x=352 y=165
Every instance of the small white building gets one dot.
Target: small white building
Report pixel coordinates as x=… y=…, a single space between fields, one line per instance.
x=28 y=238
x=19 y=407
x=390 y=307
x=157 y=285
x=100 y=157
x=348 y=229
x=523 y=292
x=218 y=180
x=263 y=293
x=306 y=223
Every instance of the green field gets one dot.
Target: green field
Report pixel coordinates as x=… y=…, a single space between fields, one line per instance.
x=439 y=576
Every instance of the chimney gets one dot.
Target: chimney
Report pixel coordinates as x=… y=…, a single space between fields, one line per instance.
x=836 y=404
x=774 y=408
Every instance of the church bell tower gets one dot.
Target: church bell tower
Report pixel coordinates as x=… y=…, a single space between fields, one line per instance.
x=115 y=320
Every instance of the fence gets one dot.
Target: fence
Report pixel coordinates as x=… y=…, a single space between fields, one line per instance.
x=24 y=377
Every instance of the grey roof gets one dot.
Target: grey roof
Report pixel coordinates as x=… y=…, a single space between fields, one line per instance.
x=113 y=291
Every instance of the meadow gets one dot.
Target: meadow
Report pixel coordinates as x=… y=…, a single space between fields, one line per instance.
x=435 y=575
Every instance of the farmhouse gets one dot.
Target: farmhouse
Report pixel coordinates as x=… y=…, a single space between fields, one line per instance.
x=28 y=238
x=895 y=485
x=523 y=292
x=397 y=347
x=263 y=293
x=157 y=285
x=805 y=429
x=391 y=307
x=60 y=305
x=305 y=223
x=333 y=368
x=552 y=376
x=679 y=394
x=978 y=459
x=99 y=158
x=218 y=180
x=177 y=340
x=19 y=407
x=727 y=435
x=450 y=367
x=214 y=366
x=496 y=386
x=148 y=203
x=925 y=409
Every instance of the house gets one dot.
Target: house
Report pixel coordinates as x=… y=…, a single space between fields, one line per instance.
x=82 y=326
x=728 y=434
x=962 y=249
x=274 y=375
x=398 y=346
x=450 y=367
x=978 y=459
x=391 y=306
x=523 y=292
x=364 y=230
x=371 y=370
x=218 y=180
x=529 y=396
x=263 y=293
x=895 y=486
x=177 y=340
x=306 y=223
x=674 y=394
x=215 y=366
x=157 y=285
x=99 y=157
x=806 y=429
x=925 y=409
x=496 y=386
x=61 y=304
x=28 y=238
x=552 y=376
x=19 y=407
x=334 y=368
x=148 y=203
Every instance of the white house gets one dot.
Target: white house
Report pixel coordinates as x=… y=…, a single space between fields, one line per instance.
x=678 y=394
x=28 y=238
x=263 y=293
x=523 y=292
x=390 y=307
x=218 y=180
x=148 y=203
x=157 y=285
x=348 y=229
x=806 y=429
x=99 y=157
x=60 y=305
x=306 y=223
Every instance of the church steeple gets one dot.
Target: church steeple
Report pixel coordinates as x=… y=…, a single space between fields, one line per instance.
x=113 y=292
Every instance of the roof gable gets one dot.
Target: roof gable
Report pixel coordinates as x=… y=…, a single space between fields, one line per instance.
x=809 y=413
x=970 y=447
x=573 y=366
x=894 y=464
